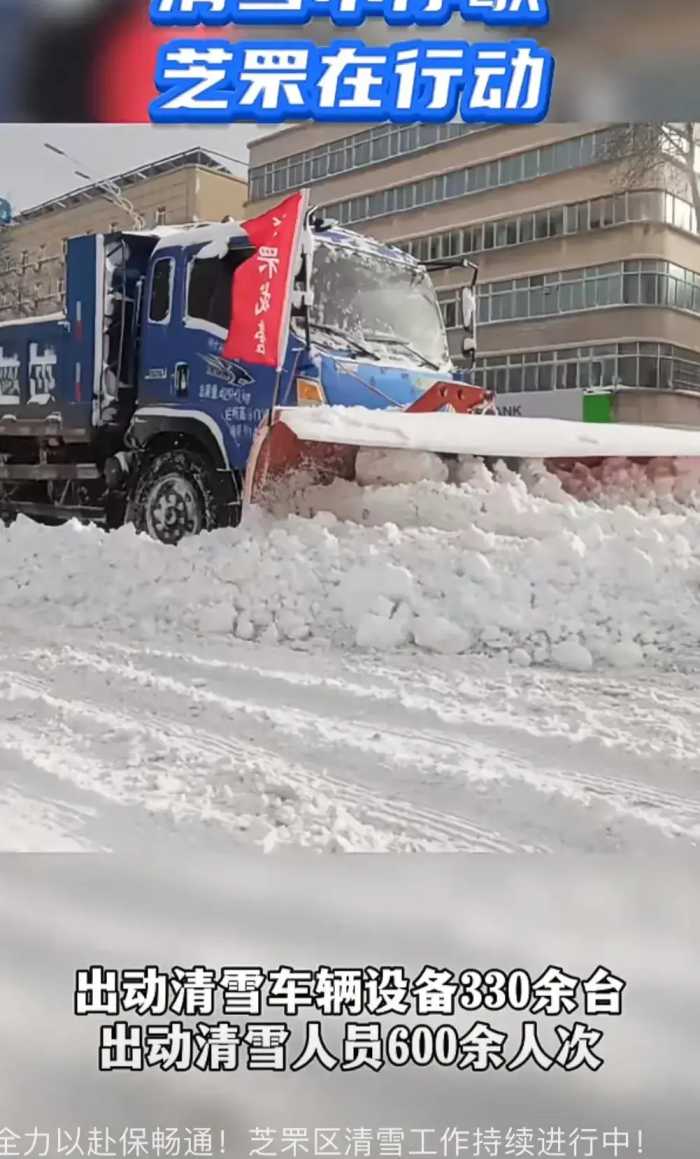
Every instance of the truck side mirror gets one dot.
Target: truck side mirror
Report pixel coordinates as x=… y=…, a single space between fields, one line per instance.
x=469 y=351
x=468 y=308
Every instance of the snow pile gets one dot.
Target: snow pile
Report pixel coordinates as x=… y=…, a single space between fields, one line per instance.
x=259 y=804
x=657 y=483
x=378 y=467
x=504 y=566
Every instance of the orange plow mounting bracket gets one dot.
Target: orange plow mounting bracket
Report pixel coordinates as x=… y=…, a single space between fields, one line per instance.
x=461 y=398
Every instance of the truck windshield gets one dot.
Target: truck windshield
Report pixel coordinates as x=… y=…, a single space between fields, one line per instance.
x=378 y=302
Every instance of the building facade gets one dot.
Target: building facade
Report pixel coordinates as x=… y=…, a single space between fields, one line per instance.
x=192 y=186
x=581 y=283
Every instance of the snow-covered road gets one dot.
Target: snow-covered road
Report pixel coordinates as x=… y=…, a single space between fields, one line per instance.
x=279 y=746
x=520 y=675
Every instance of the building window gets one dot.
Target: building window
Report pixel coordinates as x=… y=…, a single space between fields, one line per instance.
x=450 y=314
x=647 y=282
x=356 y=151
x=647 y=364
x=161 y=215
x=256 y=187
x=542 y=162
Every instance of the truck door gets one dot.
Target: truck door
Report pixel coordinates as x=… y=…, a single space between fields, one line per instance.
x=187 y=311
x=187 y=314
x=236 y=395
x=164 y=372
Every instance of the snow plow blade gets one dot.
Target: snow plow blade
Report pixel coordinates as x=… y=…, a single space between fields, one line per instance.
x=324 y=441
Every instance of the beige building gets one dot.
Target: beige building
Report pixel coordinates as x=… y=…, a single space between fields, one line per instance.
x=582 y=282
x=193 y=186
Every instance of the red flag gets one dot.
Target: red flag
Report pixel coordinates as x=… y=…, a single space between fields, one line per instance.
x=261 y=299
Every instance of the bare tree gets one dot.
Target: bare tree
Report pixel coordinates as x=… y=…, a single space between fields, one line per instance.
x=5 y=213
x=646 y=152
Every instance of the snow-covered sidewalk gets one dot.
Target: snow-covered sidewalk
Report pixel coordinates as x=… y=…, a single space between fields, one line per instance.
x=491 y=669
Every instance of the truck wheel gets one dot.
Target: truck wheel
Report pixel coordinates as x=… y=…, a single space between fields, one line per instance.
x=174 y=497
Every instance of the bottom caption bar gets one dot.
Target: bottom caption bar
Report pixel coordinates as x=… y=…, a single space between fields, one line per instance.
x=327 y=1142
x=446 y=1142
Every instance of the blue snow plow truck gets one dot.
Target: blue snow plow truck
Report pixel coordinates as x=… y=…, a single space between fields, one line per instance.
x=123 y=408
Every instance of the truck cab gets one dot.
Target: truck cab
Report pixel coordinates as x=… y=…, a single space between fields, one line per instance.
x=124 y=406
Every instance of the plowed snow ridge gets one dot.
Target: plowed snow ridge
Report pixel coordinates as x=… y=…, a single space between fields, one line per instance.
x=492 y=568
x=391 y=676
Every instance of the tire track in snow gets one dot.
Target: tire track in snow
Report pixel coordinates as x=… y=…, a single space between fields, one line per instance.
x=391 y=823
x=407 y=747
x=628 y=715
x=472 y=704
x=34 y=824
x=669 y=811
x=193 y=800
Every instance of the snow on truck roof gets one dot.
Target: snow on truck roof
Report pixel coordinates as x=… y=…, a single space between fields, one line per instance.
x=359 y=243
x=216 y=237
x=190 y=234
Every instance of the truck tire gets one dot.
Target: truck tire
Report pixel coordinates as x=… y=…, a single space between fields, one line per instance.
x=174 y=496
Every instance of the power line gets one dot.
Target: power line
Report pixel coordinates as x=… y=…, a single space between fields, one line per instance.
x=218 y=153
x=109 y=186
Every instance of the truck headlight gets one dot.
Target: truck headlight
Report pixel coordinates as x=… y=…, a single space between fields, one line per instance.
x=309 y=392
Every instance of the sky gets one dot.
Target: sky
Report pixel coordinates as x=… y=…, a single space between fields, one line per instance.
x=30 y=174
